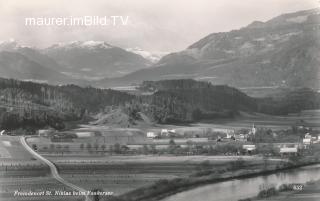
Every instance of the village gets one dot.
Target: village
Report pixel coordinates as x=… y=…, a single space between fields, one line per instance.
x=177 y=141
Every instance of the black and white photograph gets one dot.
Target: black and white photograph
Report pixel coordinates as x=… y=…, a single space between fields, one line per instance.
x=159 y=100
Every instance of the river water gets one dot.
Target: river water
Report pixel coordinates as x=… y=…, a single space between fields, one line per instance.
x=234 y=190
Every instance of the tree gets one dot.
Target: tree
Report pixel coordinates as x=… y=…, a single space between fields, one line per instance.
x=52 y=147
x=211 y=150
x=82 y=146
x=103 y=148
x=172 y=142
x=96 y=146
x=153 y=149
x=66 y=148
x=89 y=146
x=145 y=149
x=34 y=147
x=111 y=149
x=172 y=146
x=117 y=148
x=124 y=149
x=59 y=148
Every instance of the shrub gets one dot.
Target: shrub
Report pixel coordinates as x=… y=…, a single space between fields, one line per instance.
x=267 y=193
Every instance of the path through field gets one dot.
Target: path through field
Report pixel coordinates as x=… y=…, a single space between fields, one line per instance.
x=53 y=168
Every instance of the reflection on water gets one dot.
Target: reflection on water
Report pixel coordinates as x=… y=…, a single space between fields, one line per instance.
x=243 y=188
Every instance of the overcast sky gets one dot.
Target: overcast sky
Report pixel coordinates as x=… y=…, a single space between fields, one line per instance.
x=154 y=25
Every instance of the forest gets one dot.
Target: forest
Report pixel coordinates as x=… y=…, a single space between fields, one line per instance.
x=36 y=105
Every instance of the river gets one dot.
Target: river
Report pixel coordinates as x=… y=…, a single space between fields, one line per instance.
x=236 y=189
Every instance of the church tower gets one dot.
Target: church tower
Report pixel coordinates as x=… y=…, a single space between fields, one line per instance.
x=253 y=129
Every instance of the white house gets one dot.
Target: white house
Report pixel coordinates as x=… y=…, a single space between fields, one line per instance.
x=165 y=132
x=241 y=137
x=308 y=136
x=306 y=141
x=151 y=135
x=249 y=147
x=84 y=134
x=289 y=150
x=229 y=135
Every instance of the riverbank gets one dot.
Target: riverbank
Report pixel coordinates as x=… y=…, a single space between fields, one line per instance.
x=287 y=192
x=166 y=188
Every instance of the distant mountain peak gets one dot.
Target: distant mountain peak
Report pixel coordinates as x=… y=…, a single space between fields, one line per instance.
x=10 y=44
x=83 y=44
x=154 y=57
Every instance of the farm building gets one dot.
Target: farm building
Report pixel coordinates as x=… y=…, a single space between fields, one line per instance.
x=46 y=132
x=223 y=130
x=249 y=147
x=306 y=141
x=288 y=145
x=151 y=135
x=289 y=151
x=84 y=134
x=166 y=132
x=241 y=137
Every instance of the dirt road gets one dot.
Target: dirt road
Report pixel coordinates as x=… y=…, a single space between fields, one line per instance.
x=53 y=168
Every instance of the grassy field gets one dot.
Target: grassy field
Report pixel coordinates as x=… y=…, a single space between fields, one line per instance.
x=114 y=159
x=121 y=174
x=20 y=171
x=116 y=173
x=12 y=149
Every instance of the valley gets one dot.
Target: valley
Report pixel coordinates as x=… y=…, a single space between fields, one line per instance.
x=121 y=171
x=223 y=119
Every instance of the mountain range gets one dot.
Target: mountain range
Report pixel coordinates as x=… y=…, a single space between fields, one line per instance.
x=95 y=59
x=73 y=62
x=281 y=52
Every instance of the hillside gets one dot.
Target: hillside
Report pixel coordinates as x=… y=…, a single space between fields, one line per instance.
x=35 y=105
x=189 y=100
x=121 y=117
x=27 y=104
x=17 y=66
x=281 y=52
